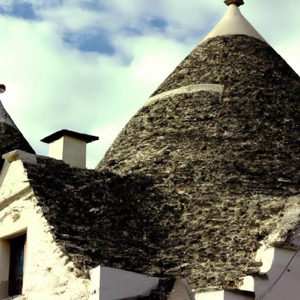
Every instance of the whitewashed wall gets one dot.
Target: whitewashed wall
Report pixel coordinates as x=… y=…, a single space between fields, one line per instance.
x=47 y=275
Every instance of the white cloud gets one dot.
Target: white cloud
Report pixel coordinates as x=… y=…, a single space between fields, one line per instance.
x=71 y=17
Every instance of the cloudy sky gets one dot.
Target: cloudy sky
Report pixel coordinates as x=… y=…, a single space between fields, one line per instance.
x=88 y=65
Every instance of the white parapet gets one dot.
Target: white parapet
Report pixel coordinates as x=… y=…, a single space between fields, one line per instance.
x=13 y=178
x=111 y=284
x=282 y=268
x=225 y=295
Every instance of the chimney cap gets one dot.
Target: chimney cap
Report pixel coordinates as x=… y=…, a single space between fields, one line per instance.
x=81 y=136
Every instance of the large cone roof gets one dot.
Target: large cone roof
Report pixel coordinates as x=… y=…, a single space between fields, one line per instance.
x=220 y=140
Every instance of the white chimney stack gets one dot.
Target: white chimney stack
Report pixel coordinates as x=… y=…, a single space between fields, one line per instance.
x=69 y=146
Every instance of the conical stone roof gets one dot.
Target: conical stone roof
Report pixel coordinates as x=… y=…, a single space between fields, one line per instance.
x=220 y=140
x=10 y=136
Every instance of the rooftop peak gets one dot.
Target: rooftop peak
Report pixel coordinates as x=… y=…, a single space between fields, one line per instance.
x=235 y=2
x=234 y=23
x=5 y=117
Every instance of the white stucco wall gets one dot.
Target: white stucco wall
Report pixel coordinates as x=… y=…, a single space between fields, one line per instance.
x=47 y=274
x=112 y=284
x=12 y=180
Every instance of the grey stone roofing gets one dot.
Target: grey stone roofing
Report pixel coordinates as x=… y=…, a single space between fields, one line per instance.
x=100 y=217
x=10 y=136
x=224 y=164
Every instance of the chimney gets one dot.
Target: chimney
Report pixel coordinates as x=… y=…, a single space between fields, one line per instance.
x=69 y=146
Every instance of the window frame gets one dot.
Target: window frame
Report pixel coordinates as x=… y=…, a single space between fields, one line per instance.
x=5 y=261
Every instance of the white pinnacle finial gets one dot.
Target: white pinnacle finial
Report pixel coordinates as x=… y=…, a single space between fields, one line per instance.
x=233 y=23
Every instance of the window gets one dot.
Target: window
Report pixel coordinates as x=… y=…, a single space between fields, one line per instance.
x=16 y=264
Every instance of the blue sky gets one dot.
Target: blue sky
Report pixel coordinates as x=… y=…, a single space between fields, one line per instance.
x=88 y=65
